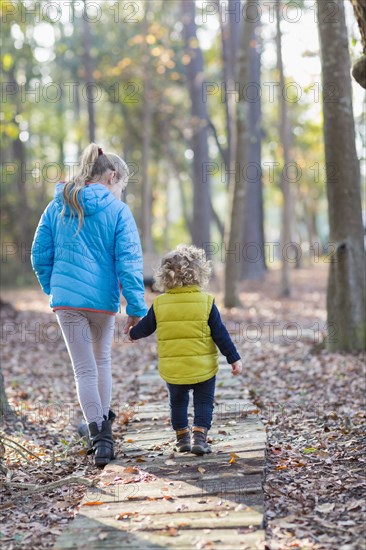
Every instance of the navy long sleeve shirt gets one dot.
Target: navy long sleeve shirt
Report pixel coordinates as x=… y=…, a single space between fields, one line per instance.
x=219 y=333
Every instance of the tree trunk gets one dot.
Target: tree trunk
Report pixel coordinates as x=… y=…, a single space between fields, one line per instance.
x=230 y=41
x=235 y=224
x=346 y=288
x=7 y=312
x=24 y=230
x=284 y=182
x=253 y=258
x=146 y=222
x=89 y=78
x=201 y=180
x=6 y=411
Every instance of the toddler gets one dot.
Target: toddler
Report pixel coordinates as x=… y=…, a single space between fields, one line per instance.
x=189 y=328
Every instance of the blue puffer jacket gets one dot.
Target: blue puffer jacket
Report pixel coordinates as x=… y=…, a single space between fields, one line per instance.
x=83 y=271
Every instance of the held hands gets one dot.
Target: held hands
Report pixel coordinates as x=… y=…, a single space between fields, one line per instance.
x=236 y=368
x=131 y=322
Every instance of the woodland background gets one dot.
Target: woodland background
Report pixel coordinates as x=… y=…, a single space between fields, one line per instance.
x=269 y=179
x=154 y=82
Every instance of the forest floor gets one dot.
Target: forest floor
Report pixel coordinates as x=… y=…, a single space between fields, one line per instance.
x=311 y=402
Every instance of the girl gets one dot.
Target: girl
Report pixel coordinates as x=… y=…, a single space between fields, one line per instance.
x=85 y=249
x=188 y=326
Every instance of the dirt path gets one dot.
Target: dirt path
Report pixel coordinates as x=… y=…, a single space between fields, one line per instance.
x=310 y=401
x=154 y=498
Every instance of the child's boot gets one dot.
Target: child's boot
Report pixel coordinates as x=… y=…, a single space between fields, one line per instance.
x=183 y=443
x=200 y=445
x=102 y=442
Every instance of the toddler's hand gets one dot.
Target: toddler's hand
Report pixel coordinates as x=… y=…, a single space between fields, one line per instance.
x=236 y=368
x=129 y=337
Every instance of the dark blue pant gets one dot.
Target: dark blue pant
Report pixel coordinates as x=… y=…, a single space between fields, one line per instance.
x=203 y=403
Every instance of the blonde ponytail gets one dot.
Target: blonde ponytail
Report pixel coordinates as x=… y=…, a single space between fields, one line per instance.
x=93 y=163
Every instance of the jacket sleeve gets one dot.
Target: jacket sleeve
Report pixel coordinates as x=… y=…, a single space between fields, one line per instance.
x=221 y=336
x=43 y=251
x=145 y=327
x=128 y=257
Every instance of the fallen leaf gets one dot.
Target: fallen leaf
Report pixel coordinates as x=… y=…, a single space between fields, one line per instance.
x=233 y=458
x=171 y=532
x=125 y=515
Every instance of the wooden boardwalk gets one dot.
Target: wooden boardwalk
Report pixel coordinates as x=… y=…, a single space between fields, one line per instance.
x=154 y=498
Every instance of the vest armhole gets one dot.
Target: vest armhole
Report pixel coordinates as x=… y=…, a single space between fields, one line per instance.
x=155 y=307
x=210 y=302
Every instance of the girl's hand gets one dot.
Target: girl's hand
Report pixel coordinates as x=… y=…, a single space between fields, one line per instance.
x=236 y=368
x=131 y=322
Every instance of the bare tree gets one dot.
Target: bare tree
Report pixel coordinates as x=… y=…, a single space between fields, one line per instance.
x=199 y=121
x=253 y=258
x=346 y=283
x=7 y=311
x=235 y=220
x=146 y=221
x=88 y=77
x=253 y=232
x=5 y=408
x=230 y=33
x=286 y=143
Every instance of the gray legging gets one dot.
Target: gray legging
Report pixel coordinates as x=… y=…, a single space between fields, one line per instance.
x=88 y=336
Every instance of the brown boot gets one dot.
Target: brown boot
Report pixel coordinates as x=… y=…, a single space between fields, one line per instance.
x=183 y=443
x=200 y=445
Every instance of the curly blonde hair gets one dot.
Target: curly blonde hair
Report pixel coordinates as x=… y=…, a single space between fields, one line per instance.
x=184 y=266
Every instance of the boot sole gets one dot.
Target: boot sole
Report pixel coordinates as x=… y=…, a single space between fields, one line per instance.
x=185 y=449
x=198 y=450
x=102 y=461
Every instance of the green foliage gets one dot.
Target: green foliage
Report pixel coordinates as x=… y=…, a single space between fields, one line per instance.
x=44 y=54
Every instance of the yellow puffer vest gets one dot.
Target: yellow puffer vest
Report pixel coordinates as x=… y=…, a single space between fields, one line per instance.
x=187 y=353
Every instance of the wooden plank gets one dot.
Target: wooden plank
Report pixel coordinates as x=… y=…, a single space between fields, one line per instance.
x=178 y=520
x=186 y=501
x=215 y=503
x=186 y=539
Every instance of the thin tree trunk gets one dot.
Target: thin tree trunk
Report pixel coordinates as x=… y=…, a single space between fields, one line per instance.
x=201 y=180
x=5 y=409
x=20 y=181
x=230 y=32
x=146 y=224
x=346 y=283
x=253 y=258
x=284 y=183
x=89 y=78
x=235 y=223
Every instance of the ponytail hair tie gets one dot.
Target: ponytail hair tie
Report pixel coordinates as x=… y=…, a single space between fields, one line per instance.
x=100 y=151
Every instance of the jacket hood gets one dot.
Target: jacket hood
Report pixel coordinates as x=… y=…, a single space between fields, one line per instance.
x=93 y=197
